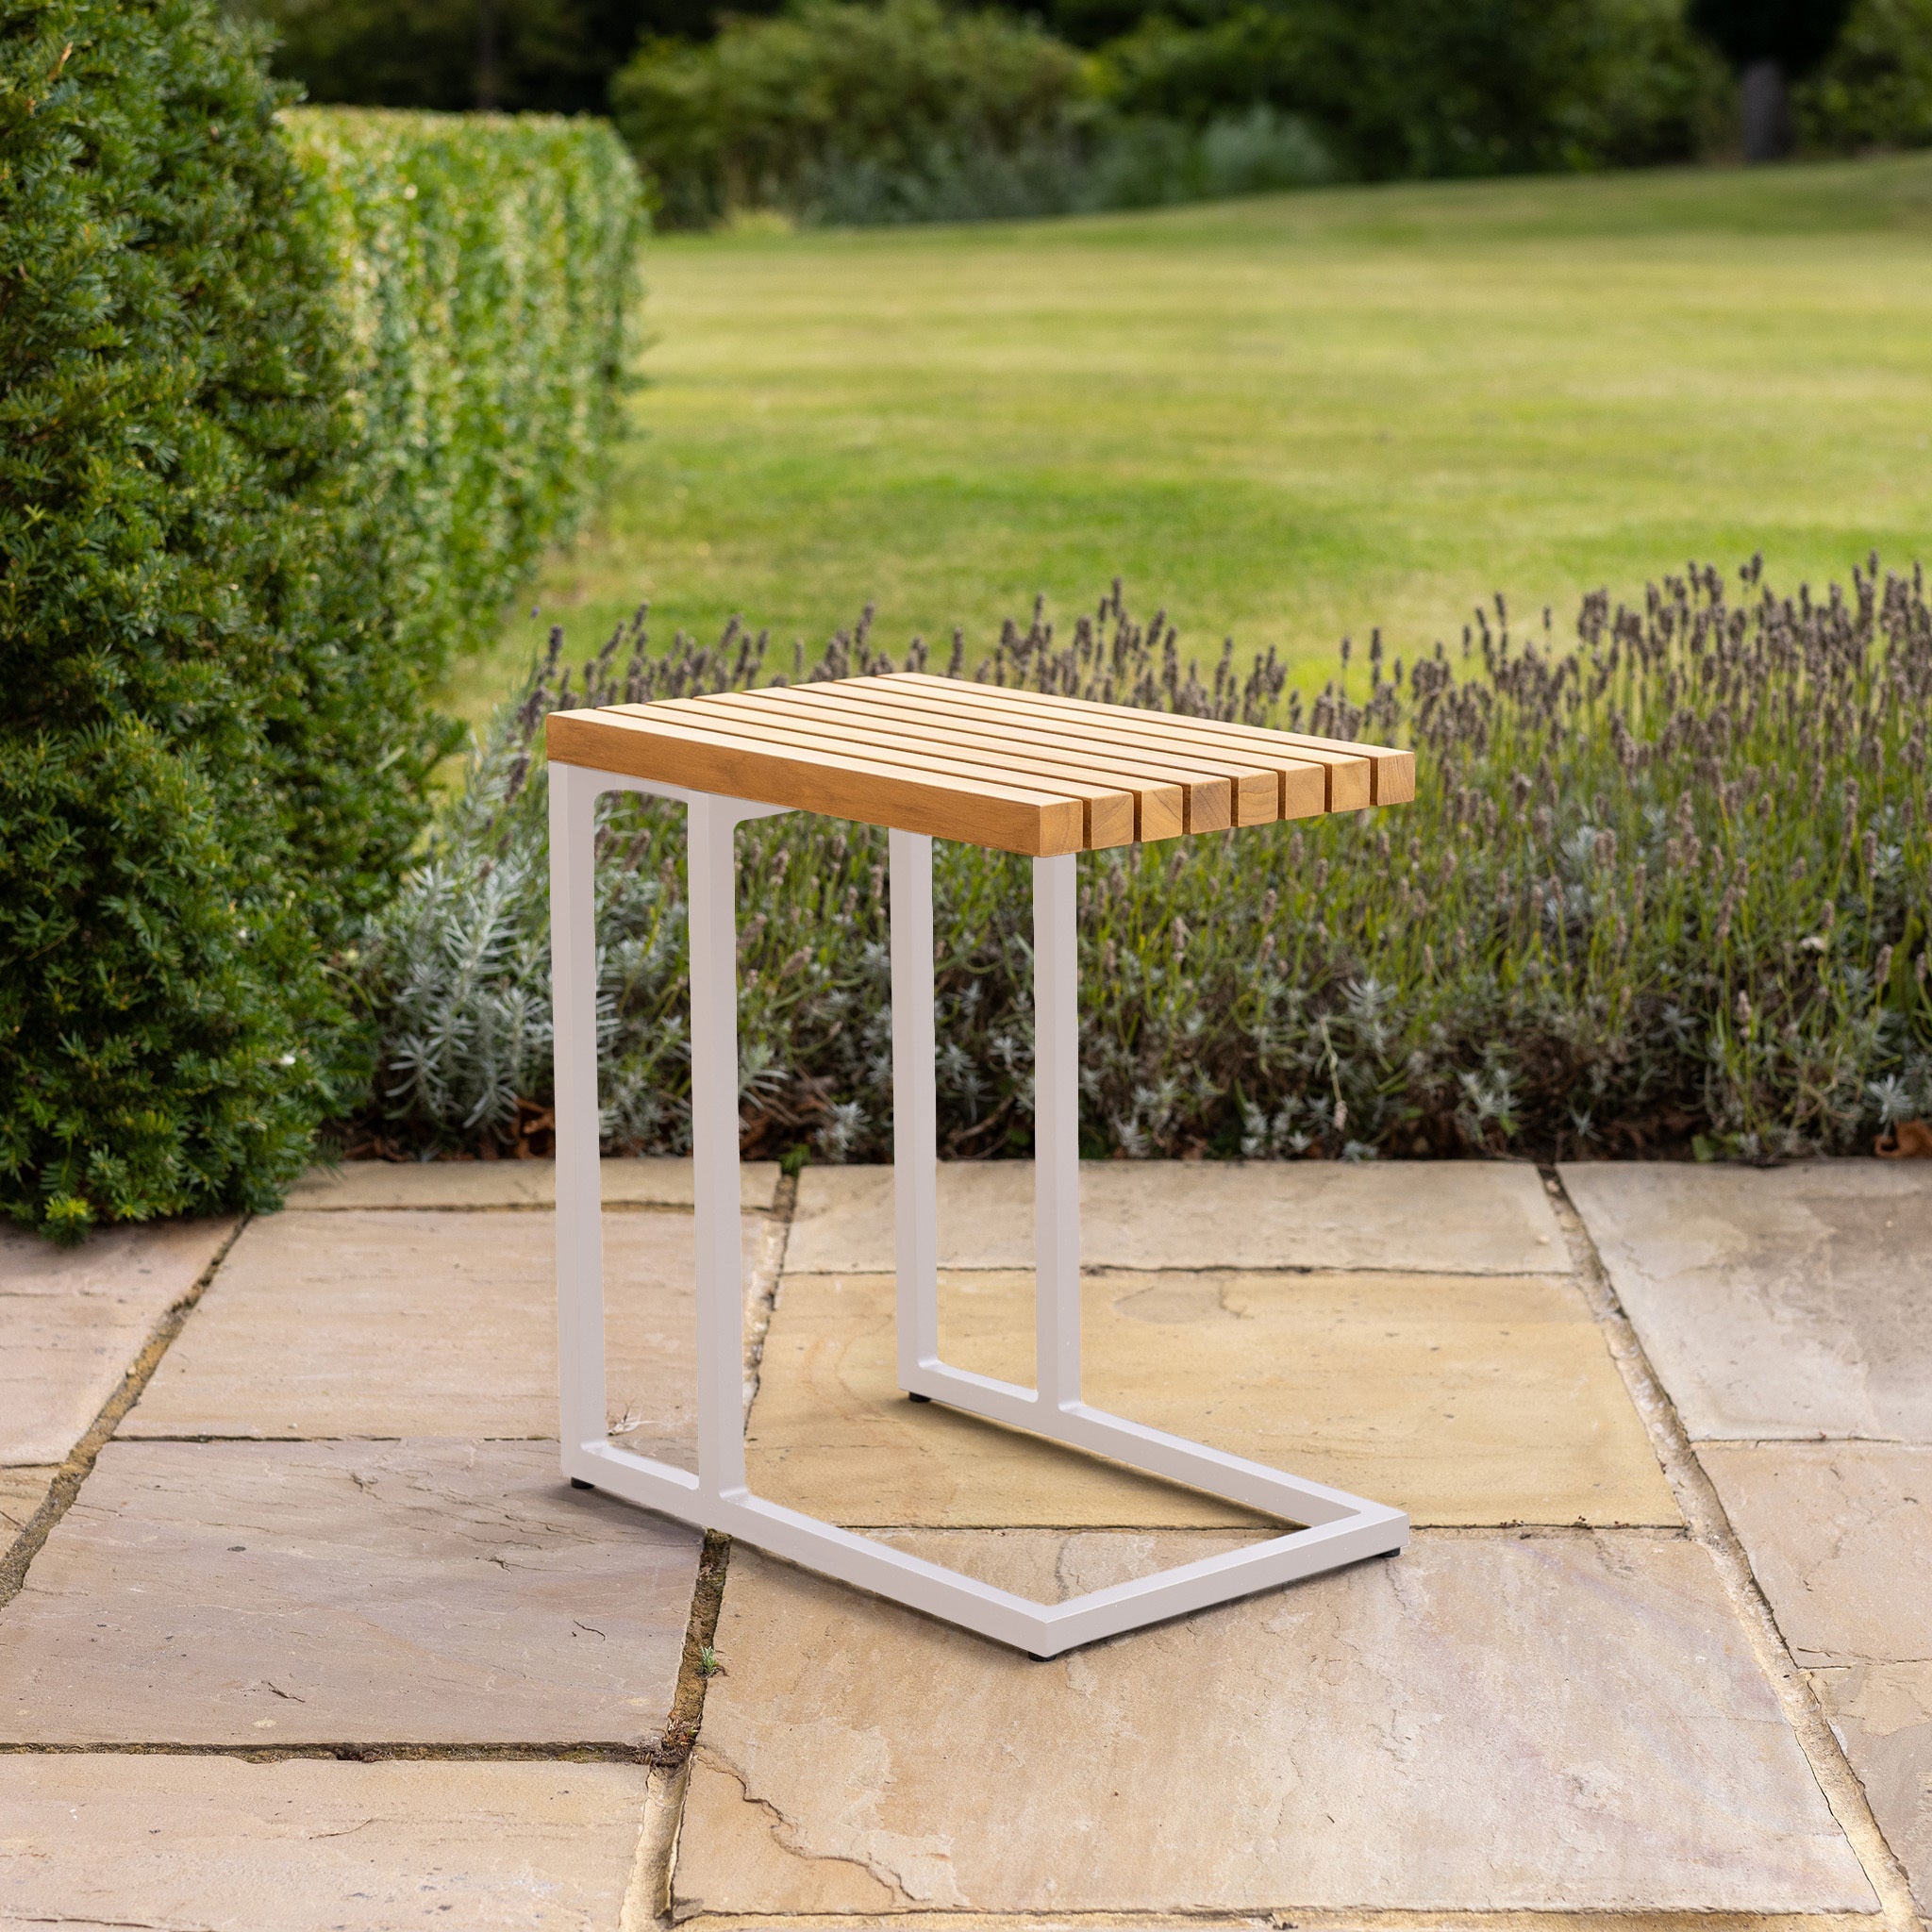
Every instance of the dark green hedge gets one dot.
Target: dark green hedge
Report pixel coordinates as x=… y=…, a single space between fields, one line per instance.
x=168 y=400
x=219 y=629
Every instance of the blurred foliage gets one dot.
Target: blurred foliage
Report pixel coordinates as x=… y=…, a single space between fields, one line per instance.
x=1875 y=88
x=1110 y=163
x=759 y=116
x=551 y=56
x=1666 y=886
x=858 y=111
x=1413 y=88
x=842 y=111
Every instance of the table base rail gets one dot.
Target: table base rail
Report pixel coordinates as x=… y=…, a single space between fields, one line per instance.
x=1352 y=1531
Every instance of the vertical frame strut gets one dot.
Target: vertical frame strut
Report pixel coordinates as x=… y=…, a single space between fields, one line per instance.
x=573 y=995
x=1056 y=1130
x=713 y=888
x=915 y=1107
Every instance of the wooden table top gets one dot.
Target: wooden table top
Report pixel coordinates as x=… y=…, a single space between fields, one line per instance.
x=1018 y=770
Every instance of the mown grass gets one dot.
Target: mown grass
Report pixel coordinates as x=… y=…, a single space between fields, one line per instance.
x=1285 y=418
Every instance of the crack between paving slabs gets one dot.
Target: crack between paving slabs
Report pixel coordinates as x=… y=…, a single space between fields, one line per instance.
x=80 y=1458
x=1100 y=1270
x=561 y=1752
x=1299 y=1919
x=666 y=1207
x=648 y=1903
x=1709 y=1524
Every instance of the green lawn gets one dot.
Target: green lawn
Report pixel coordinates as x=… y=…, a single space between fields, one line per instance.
x=1284 y=418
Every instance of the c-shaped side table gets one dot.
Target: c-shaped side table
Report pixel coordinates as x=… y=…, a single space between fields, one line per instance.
x=924 y=757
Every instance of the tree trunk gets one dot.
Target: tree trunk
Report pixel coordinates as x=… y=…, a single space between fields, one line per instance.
x=1766 y=112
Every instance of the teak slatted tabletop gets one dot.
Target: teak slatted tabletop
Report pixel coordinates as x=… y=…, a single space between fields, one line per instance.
x=1020 y=769
x=925 y=757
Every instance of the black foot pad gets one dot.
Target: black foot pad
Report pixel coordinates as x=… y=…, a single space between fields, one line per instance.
x=577 y=1483
x=913 y=1396
x=1038 y=1659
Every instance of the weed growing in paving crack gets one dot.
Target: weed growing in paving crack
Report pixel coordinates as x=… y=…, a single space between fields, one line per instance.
x=1664 y=885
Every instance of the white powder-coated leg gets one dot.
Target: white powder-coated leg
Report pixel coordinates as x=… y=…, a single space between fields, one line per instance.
x=574 y=984
x=713 y=891
x=915 y=1143
x=1056 y=1130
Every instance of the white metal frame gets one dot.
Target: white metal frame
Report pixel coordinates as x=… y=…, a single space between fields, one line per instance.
x=1340 y=1528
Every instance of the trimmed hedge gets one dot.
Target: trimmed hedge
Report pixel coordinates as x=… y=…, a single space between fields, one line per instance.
x=244 y=517
x=168 y=408
x=487 y=271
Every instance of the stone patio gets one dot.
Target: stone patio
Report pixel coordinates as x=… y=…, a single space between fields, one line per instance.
x=303 y=1629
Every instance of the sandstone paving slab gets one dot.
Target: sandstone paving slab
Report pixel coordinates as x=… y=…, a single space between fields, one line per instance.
x=409 y=1323
x=1563 y=1721
x=627 y=1182
x=222 y=1845
x=1883 y=1716
x=1461 y=1399
x=265 y=1593
x=1840 y=1538
x=1435 y=1217
x=73 y=1320
x=1788 y=1302
x=22 y=1492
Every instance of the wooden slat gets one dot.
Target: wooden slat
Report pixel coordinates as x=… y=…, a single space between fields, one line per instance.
x=1254 y=789
x=1008 y=817
x=1350 y=772
x=1155 y=809
x=1171 y=798
x=1256 y=783
x=1109 y=810
x=1304 y=786
x=1391 y=769
x=1220 y=793
x=1347 y=781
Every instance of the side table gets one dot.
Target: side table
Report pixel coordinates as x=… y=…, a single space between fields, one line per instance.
x=927 y=757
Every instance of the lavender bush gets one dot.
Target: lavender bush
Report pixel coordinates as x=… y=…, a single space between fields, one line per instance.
x=1664 y=886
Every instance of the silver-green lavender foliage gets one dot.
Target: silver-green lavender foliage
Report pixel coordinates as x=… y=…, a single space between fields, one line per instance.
x=1665 y=882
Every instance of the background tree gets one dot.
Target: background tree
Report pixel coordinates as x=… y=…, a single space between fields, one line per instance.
x=1419 y=88
x=522 y=56
x=1770 y=43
